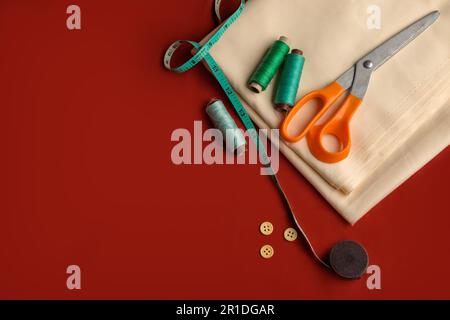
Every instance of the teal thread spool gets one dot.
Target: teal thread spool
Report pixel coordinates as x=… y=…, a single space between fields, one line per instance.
x=269 y=65
x=223 y=121
x=289 y=80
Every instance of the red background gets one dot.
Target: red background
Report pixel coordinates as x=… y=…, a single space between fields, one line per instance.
x=87 y=179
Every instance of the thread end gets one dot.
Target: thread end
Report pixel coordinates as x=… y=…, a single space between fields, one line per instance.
x=212 y=101
x=255 y=87
x=284 y=39
x=283 y=107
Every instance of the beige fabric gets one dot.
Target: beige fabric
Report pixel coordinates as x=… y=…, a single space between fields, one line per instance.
x=404 y=120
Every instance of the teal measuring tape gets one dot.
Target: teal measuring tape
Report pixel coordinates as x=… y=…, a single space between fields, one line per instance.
x=203 y=54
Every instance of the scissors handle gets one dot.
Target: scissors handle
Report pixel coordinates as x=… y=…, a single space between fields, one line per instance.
x=326 y=96
x=338 y=125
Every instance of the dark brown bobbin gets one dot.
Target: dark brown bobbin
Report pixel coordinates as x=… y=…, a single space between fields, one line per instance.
x=349 y=259
x=283 y=107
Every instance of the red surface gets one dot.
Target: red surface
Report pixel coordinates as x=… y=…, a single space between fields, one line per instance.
x=87 y=179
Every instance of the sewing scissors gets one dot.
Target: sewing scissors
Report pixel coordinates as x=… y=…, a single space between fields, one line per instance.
x=356 y=81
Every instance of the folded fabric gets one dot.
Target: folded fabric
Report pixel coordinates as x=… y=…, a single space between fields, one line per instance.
x=404 y=119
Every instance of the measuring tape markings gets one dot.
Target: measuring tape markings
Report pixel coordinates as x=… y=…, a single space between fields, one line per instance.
x=203 y=54
x=203 y=50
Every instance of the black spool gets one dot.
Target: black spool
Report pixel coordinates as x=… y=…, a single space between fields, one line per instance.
x=349 y=259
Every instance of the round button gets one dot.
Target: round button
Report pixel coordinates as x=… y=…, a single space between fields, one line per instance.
x=349 y=259
x=267 y=251
x=266 y=228
x=290 y=234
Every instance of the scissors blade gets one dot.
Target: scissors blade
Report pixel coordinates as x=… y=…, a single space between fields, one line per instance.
x=390 y=47
x=368 y=64
x=346 y=79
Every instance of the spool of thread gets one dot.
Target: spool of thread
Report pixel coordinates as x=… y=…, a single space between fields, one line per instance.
x=269 y=65
x=289 y=80
x=223 y=121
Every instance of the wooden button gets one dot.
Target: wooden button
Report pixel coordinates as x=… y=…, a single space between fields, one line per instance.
x=290 y=234
x=267 y=251
x=349 y=259
x=266 y=228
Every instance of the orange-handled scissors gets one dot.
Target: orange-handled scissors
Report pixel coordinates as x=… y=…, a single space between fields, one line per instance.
x=356 y=80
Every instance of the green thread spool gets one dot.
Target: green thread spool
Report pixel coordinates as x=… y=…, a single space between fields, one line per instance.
x=289 y=80
x=269 y=65
x=222 y=120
